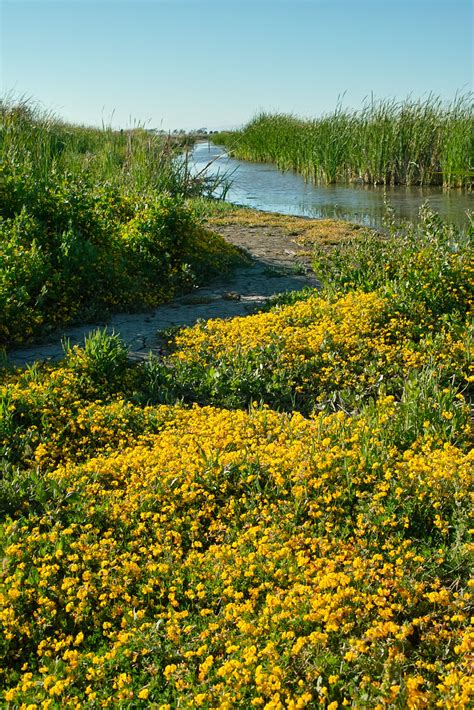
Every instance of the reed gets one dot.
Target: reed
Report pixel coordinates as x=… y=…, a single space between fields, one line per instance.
x=136 y=159
x=412 y=142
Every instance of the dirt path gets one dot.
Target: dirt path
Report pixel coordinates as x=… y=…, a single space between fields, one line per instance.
x=278 y=264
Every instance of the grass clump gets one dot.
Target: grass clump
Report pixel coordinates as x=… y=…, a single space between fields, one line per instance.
x=134 y=159
x=385 y=143
x=92 y=221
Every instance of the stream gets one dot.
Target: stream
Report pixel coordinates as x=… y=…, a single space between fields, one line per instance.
x=265 y=187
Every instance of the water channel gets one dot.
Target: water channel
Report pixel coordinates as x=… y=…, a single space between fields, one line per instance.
x=264 y=187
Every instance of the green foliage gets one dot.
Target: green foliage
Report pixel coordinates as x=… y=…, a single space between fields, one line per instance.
x=386 y=143
x=426 y=269
x=90 y=222
x=28 y=492
x=187 y=555
x=429 y=405
x=24 y=276
x=156 y=237
x=102 y=360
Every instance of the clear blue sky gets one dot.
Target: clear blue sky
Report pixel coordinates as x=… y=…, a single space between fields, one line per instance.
x=195 y=63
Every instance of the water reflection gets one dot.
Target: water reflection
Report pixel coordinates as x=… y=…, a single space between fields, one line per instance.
x=264 y=187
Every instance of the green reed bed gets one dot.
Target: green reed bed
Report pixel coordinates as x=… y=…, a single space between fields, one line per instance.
x=92 y=220
x=424 y=142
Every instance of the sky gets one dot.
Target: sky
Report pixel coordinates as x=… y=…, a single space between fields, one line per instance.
x=189 y=64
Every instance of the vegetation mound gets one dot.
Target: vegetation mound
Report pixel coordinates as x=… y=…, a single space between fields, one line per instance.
x=93 y=221
x=244 y=559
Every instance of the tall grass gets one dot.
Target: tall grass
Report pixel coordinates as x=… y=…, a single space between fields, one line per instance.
x=136 y=159
x=412 y=142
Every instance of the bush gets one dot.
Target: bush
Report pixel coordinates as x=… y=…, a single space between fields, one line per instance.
x=24 y=277
x=82 y=236
x=425 y=268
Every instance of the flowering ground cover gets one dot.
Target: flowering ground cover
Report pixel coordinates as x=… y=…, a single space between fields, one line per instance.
x=275 y=515
x=314 y=352
x=240 y=559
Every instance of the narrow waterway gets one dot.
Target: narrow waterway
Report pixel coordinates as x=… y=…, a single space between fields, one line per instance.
x=264 y=187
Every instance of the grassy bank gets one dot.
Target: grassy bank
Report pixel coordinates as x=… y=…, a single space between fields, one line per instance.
x=93 y=221
x=385 y=143
x=275 y=515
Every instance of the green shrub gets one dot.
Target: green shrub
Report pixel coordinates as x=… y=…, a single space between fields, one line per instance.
x=426 y=268
x=91 y=222
x=24 y=277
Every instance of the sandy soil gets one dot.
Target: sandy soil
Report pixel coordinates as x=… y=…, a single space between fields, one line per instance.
x=278 y=263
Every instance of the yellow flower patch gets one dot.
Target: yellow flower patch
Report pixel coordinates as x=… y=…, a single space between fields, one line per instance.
x=243 y=559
